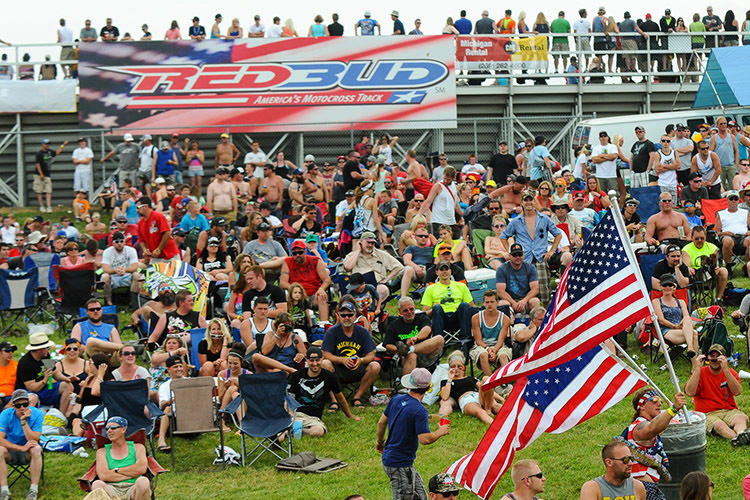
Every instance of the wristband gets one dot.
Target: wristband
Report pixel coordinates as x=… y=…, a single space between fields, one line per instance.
x=672 y=411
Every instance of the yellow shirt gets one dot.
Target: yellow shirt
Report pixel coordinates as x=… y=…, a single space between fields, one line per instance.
x=450 y=296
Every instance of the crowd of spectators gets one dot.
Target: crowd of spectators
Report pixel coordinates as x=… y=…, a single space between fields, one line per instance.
x=344 y=265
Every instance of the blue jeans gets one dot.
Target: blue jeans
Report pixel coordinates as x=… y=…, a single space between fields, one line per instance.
x=460 y=319
x=178 y=176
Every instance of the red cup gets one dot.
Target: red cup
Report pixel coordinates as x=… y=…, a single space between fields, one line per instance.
x=445 y=421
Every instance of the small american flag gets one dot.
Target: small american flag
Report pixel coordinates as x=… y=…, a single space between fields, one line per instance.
x=599 y=295
x=553 y=400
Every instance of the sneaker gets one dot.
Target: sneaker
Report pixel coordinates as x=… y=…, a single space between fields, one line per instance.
x=402 y=349
x=5 y=495
x=741 y=439
x=32 y=495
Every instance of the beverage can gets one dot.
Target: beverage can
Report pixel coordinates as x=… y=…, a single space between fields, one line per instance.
x=445 y=421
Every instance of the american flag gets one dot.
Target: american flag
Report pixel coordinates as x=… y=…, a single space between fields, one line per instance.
x=599 y=295
x=553 y=401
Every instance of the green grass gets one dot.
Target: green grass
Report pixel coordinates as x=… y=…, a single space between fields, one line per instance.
x=568 y=459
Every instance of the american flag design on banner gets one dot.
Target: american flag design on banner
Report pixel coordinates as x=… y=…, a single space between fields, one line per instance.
x=554 y=401
x=288 y=84
x=600 y=294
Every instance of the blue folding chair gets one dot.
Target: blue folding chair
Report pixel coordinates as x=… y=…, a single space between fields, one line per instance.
x=17 y=296
x=196 y=335
x=647 y=263
x=266 y=417
x=649 y=200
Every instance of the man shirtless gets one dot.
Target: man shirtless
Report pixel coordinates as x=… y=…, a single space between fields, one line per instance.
x=299 y=187
x=226 y=152
x=415 y=170
x=664 y=225
x=241 y=188
x=510 y=195
x=221 y=197
x=271 y=188
x=318 y=183
x=414 y=207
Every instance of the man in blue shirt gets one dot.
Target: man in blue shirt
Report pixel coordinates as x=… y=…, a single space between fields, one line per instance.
x=93 y=333
x=531 y=232
x=463 y=25
x=367 y=25
x=398 y=26
x=408 y=427
x=20 y=430
x=517 y=282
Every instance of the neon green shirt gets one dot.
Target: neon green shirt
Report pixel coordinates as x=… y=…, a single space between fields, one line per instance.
x=450 y=297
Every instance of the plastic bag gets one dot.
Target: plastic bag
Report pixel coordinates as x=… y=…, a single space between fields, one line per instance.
x=440 y=374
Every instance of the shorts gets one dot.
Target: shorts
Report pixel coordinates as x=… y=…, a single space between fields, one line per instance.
x=600 y=47
x=82 y=179
x=67 y=53
x=477 y=351
x=348 y=376
x=121 y=281
x=309 y=421
x=468 y=398
x=739 y=244
x=638 y=179
x=542 y=271
x=428 y=360
x=583 y=44
x=629 y=44
x=195 y=171
x=49 y=397
x=131 y=175
x=560 y=47
x=725 y=416
x=406 y=483
x=556 y=259
x=42 y=186
x=123 y=491
x=18 y=457
x=229 y=215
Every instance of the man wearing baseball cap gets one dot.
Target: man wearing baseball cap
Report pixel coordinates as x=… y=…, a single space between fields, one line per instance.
x=445 y=254
x=448 y=303
x=129 y=154
x=121 y=465
x=367 y=259
x=408 y=427
x=443 y=486
x=517 y=282
x=226 y=153
x=20 y=430
x=714 y=388
x=310 y=272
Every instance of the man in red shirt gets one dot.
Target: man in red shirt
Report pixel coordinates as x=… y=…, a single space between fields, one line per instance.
x=122 y=226
x=154 y=233
x=713 y=388
x=310 y=272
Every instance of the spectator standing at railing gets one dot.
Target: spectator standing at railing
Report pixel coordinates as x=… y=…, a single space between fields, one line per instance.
x=88 y=34
x=109 y=33
x=367 y=25
x=599 y=25
x=648 y=26
x=215 y=29
x=417 y=28
x=560 y=43
x=667 y=25
x=463 y=25
x=746 y=27
x=583 y=43
x=173 y=33
x=335 y=28
x=196 y=31
x=506 y=25
x=6 y=70
x=65 y=35
x=47 y=71
x=629 y=44
x=275 y=30
x=146 y=34
x=256 y=30
x=398 y=26
x=713 y=25
x=730 y=24
x=317 y=29
x=485 y=25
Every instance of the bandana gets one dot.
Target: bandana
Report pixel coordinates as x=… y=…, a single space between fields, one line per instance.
x=646 y=398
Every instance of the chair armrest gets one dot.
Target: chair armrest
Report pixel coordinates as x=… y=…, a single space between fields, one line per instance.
x=154 y=410
x=232 y=407
x=93 y=415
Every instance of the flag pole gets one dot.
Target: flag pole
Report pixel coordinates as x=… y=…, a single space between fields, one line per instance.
x=620 y=223
x=640 y=371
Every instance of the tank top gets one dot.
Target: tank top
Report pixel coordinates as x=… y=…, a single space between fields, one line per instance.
x=285 y=355
x=305 y=274
x=444 y=205
x=227 y=374
x=706 y=169
x=256 y=331
x=162 y=167
x=609 y=490
x=387 y=152
x=667 y=178
x=490 y=332
x=115 y=463
x=730 y=38
x=234 y=33
x=599 y=27
x=671 y=313
x=556 y=200
x=741 y=147
x=735 y=222
x=101 y=331
x=655 y=451
x=367 y=215
x=81 y=376
x=318 y=30
x=132 y=213
x=725 y=149
x=542 y=28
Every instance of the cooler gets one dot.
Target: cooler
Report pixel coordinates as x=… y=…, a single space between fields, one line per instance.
x=479 y=281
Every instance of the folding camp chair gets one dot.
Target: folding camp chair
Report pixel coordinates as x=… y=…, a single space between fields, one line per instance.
x=196 y=335
x=194 y=410
x=128 y=399
x=267 y=418
x=76 y=287
x=20 y=470
x=648 y=198
x=49 y=266
x=152 y=471
x=17 y=296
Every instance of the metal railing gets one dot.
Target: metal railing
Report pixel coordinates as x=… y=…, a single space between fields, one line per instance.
x=647 y=55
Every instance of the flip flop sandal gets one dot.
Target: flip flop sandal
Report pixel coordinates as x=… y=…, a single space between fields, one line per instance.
x=333 y=408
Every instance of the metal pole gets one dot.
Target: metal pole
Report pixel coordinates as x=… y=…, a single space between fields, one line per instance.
x=301 y=149
x=475 y=135
x=20 y=177
x=104 y=166
x=640 y=371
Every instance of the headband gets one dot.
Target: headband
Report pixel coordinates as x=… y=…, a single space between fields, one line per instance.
x=367 y=186
x=646 y=397
x=235 y=353
x=118 y=421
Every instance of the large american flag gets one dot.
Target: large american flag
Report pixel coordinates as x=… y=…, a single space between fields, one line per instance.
x=554 y=400
x=599 y=295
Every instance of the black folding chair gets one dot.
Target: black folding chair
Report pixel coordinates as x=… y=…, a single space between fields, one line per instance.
x=76 y=287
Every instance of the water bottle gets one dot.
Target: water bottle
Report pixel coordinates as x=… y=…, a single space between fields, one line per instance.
x=297 y=429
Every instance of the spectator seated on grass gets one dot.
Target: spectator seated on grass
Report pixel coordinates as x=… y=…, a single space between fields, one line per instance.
x=673 y=266
x=176 y=371
x=368 y=301
x=350 y=352
x=494 y=250
x=732 y=227
x=257 y=286
x=229 y=377
x=121 y=465
x=448 y=303
x=714 y=388
x=465 y=392
x=214 y=261
x=312 y=273
x=51 y=386
x=88 y=397
x=445 y=255
x=311 y=387
x=257 y=324
x=120 y=267
x=517 y=282
x=283 y=349
x=673 y=316
x=409 y=229
x=663 y=226
x=214 y=348
x=410 y=335
x=266 y=251
x=162 y=304
x=20 y=431
x=459 y=250
x=588 y=217
x=561 y=215
x=491 y=328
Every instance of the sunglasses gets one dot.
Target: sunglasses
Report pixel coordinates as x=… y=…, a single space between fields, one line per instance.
x=7 y=350
x=704 y=149
x=118 y=241
x=71 y=349
x=665 y=201
x=298 y=253
x=498 y=225
x=668 y=285
x=113 y=427
x=448 y=495
x=665 y=140
x=346 y=315
x=538 y=475
x=734 y=198
x=128 y=353
x=173 y=335
x=94 y=309
x=21 y=405
x=626 y=459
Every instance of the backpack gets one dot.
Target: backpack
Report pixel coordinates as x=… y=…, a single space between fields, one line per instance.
x=715 y=332
x=733 y=296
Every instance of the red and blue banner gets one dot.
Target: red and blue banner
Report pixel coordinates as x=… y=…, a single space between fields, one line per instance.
x=289 y=84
